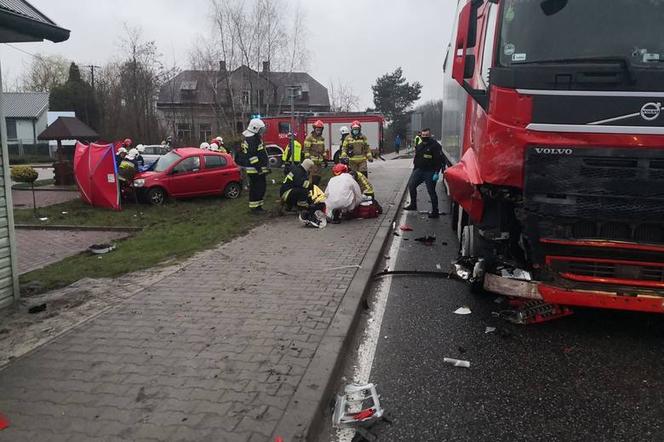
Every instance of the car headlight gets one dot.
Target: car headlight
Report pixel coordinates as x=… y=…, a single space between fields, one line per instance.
x=139 y=183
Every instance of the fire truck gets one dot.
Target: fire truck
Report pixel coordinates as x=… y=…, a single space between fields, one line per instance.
x=554 y=132
x=277 y=129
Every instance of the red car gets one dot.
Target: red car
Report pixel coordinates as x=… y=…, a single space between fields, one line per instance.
x=189 y=172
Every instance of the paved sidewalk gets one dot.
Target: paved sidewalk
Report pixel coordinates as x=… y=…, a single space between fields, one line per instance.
x=212 y=352
x=39 y=248
x=22 y=199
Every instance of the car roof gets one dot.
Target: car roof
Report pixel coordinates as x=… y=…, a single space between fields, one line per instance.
x=188 y=151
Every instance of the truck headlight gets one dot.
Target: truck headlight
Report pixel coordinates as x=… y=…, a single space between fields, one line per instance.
x=139 y=183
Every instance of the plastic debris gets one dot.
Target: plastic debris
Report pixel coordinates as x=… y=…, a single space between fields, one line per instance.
x=37 y=309
x=438 y=266
x=532 y=312
x=406 y=228
x=357 y=404
x=65 y=212
x=461 y=272
x=462 y=311
x=427 y=240
x=45 y=218
x=457 y=362
x=489 y=330
x=514 y=273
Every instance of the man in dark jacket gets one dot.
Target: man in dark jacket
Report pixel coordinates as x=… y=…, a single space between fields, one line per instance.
x=256 y=164
x=428 y=164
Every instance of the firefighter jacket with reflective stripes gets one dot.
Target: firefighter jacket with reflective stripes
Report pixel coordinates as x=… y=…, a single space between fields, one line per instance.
x=296 y=158
x=314 y=148
x=297 y=177
x=429 y=156
x=256 y=155
x=357 y=150
x=365 y=185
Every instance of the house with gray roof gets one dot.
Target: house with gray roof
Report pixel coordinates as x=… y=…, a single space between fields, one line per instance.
x=197 y=105
x=26 y=115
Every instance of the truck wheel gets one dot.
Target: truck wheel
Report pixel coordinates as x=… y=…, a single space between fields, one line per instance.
x=472 y=245
x=232 y=191
x=157 y=196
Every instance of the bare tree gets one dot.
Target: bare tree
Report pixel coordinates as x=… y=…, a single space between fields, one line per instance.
x=45 y=72
x=342 y=97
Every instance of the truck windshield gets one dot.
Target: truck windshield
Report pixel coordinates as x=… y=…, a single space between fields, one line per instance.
x=573 y=30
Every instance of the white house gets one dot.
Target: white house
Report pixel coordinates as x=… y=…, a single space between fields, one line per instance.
x=26 y=115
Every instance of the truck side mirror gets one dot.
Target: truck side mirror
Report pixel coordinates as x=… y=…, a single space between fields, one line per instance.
x=463 y=66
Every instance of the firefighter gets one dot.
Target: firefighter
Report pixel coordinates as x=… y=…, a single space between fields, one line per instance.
x=344 y=131
x=120 y=155
x=296 y=157
x=428 y=163
x=204 y=146
x=314 y=149
x=365 y=185
x=127 y=143
x=140 y=162
x=296 y=191
x=256 y=164
x=356 y=149
x=217 y=145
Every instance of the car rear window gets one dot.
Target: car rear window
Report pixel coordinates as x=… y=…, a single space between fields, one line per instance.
x=214 y=161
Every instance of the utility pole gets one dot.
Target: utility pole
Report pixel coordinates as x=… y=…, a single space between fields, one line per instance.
x=92 y=74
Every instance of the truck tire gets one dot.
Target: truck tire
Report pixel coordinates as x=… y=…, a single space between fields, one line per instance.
x=473 y=245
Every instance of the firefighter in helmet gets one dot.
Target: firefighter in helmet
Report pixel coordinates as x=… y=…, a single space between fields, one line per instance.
x=314 y=149
x=291 y=160
x=356 y=149
x=256 y=164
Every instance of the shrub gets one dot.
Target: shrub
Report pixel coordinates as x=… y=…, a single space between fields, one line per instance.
x=24 y=174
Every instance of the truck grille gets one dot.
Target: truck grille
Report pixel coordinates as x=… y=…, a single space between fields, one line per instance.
x=605 y=271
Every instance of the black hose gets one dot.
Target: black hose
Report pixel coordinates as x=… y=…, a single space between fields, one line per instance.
x=444 y=275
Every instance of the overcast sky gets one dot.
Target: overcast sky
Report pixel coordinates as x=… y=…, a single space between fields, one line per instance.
x=352 y=40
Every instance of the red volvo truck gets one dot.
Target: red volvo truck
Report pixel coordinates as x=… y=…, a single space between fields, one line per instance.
x=553 y=126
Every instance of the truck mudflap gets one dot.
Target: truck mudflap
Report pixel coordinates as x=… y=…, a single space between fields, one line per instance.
x=535 y=290
x=462 y=181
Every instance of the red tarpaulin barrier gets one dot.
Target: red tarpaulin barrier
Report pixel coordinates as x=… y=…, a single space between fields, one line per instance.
x=96 y=175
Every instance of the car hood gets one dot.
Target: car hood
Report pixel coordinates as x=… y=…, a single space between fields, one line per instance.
x=148 y=176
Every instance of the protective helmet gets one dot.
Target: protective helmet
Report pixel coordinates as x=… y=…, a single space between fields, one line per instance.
x=133 y=153
x=356 y=125
x=344 y=160
x=220 y=141
x=255 y=126
x=307 y=164
x=214 y=147
x=122 y=150
x=340 y=168
x=127 y=142
x=344 y=130
x=204 y=145
x=140 y=148
x=318 y=124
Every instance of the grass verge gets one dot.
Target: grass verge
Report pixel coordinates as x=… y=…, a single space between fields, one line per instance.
x=174 y=231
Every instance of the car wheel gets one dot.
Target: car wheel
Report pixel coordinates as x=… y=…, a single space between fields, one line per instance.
x=156 y=196
x=274 y=161
x=233 y=191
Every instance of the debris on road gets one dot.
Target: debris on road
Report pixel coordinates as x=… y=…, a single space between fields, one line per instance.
x=489 y=330
x=100 y=249
x=515 y=273
x=406 y=228
x=438 y=267
x=462 y=311
x=532 y=312
x=45 y=218
x=37 y=309
x=357 y=404
x=457 y=362
x=427 y=240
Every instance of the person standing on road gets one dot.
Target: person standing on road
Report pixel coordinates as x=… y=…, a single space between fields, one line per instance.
x=428 y=163
x=417 y=139
x=314 y=149
x=356 y=149
x=256 y=164
x=397 y=143
x=291 y=160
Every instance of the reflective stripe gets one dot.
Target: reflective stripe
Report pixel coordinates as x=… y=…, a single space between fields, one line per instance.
x=305 y=184
x=260 y=147
x=303 y=204
x=251 y=170
x=254 y=204
x=285 y=195
x=253 y=160
x=427 y=156
x=265 y=169
x=289 y=177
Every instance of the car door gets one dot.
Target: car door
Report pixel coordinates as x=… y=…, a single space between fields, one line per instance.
x=185 y=178
x=216 y=173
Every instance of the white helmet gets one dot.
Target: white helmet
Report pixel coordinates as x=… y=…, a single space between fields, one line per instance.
x=256 y=126
x=133 y=153
x=204 y=146
x=122 y=150
x=214 y=147
x=140 y=148
x=344 y=130
x=219 y=140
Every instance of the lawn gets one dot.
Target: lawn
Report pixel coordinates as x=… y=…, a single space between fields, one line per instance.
x=174 y=231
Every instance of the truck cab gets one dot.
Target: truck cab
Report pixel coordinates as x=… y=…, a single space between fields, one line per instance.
x=553 y=129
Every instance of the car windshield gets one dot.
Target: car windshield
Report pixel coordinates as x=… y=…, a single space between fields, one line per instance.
x=564 y=30
x=166 y=161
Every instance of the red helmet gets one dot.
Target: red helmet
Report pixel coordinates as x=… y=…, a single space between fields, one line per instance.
x=318 y=124
x=356 y=125
x=127 y=142
x=339 y=168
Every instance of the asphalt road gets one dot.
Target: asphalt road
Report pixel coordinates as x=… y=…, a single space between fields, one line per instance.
x=596 y=375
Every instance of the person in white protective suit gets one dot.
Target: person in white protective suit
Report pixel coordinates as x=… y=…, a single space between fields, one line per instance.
x=342 y=195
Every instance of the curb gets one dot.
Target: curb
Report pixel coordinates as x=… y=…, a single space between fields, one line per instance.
x=46 y=189
x=302 y=420
x=77 y=228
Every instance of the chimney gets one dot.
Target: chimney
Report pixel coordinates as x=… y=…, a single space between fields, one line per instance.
x=266 y=66
x=222 y=66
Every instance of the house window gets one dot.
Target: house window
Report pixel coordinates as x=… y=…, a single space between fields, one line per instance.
x=246 y=97
x=261 y=97
x=11 y=129
x=284 y=127
x=184 y=131
x=205 y=132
